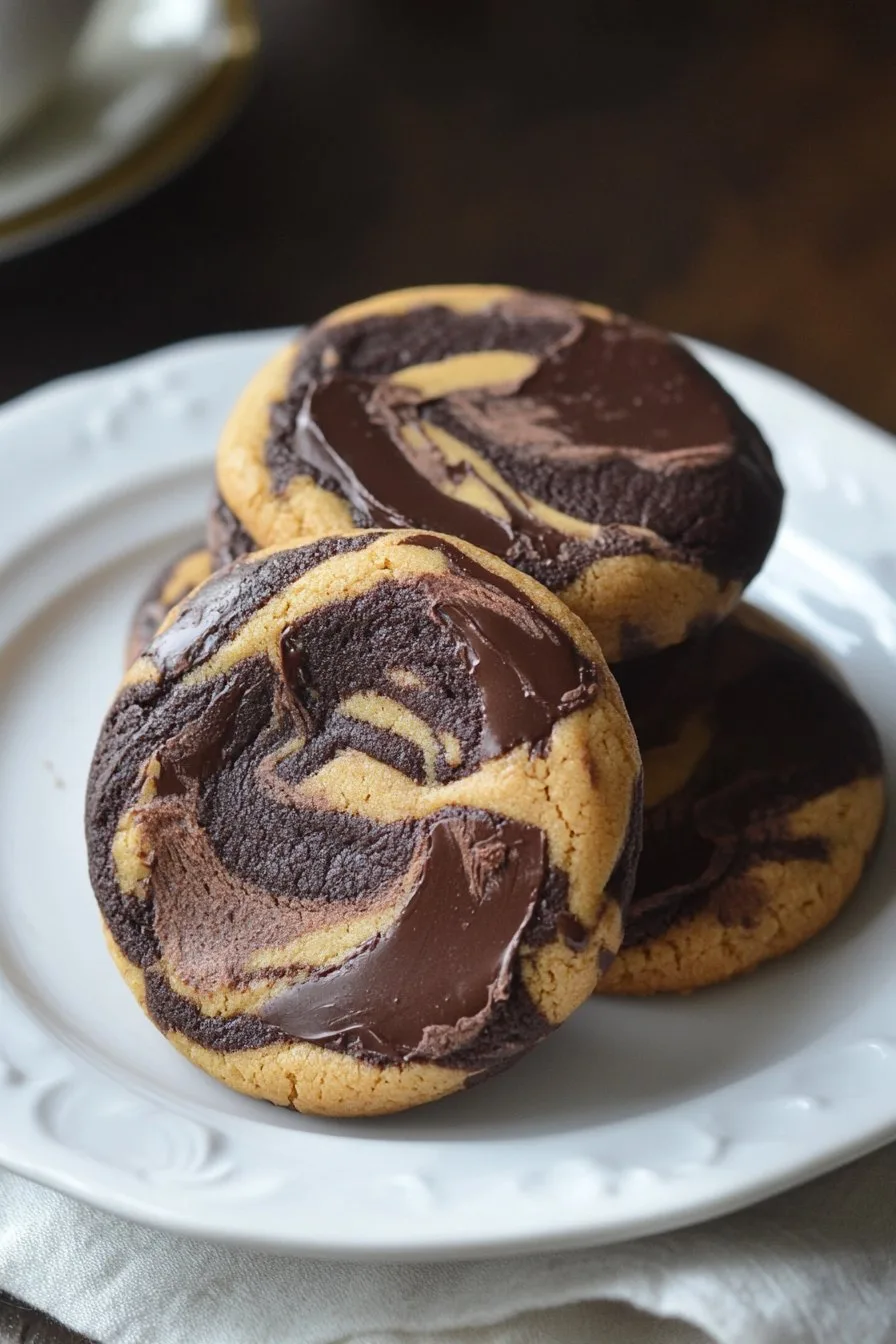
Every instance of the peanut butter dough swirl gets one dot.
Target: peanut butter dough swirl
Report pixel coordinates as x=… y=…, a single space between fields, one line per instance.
x=363 y=819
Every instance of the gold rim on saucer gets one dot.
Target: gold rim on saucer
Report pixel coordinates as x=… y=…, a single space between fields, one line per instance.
x=206 y=112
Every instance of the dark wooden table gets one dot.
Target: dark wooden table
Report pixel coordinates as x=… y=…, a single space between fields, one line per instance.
x=723 y=167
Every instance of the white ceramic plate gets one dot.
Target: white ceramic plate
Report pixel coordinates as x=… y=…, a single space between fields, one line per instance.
x=133 y=80
x=634 y=1117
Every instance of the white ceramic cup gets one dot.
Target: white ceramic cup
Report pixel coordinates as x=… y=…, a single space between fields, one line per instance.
x=36 y=38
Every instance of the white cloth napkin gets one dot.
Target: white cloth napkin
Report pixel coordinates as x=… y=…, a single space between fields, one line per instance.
x=815 y=1266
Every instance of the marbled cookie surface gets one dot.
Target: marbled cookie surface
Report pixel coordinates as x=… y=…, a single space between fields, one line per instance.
x=169 y=586
x=363 y=820
x=763 y=797
x=591 y=452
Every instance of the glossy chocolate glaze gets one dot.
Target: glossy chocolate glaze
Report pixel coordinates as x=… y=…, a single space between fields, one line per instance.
x=427 y=985
x=528 y=670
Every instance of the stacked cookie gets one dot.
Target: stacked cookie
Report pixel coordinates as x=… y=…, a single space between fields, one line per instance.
x=365 y=818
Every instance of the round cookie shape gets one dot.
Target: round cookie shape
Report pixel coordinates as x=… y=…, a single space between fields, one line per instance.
x=363 y=820
x=763 y=797
x=168 y=588
x=592 y=452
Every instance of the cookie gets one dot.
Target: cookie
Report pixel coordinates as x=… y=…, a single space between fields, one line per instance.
x=166 y=590
x=363 y=820
x=763 y=796
x=591 y=452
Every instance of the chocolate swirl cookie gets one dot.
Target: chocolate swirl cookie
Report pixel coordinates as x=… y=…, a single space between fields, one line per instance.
x=363 y=820
x=166 y=590
x=763 y=798
x=591 y=452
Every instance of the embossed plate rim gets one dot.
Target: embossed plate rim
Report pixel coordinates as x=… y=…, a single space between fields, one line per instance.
x=70 y=458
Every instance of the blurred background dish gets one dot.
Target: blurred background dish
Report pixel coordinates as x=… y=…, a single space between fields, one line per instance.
x=36 y=38
x=148 y=83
